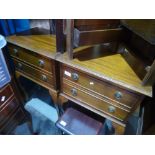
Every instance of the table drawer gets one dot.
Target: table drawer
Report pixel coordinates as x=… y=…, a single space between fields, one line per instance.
x=95 y=102
x=16 y=118
x=31 y=58
x=5 y=94
x=39 y=76
x=106 y=89
x=7 y=110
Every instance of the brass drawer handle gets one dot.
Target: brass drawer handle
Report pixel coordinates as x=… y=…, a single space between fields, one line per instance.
x=74 y=92
x=75 y=76
x=118 y=95
x=44 y=78
x=19 y=65
x=41 y=63
x=16 y=52
x=111 y=109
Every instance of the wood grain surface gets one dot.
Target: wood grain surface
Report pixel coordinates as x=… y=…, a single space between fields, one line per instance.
x=41 y=44
x=106 y=66
x=95 y=60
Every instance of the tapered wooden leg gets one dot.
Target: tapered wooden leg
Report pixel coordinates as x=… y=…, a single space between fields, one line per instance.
x=119 y=130
x=25 y=95
x=61 y=101
x=54 y=95
x=17 y=91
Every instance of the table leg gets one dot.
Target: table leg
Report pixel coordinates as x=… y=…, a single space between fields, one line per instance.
x=25 y=95
x=54 y=95
x=119 y=130
x=61 y=101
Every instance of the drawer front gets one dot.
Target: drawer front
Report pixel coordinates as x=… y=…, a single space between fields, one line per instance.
x=108 y=90
x=31 y=58
x=5 y=94
x=95 y=102
x=13 y=122
x=39 y=76
x=7 y=110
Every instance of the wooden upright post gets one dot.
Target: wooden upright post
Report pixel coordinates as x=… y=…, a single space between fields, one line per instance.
x=70 y=35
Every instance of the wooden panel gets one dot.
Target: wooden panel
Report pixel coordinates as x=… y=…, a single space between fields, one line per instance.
x=14 y=120
x=78 y=123
x=69 y=37
x=5 y=94
x=7 y=110
x=134 y=60
x=97 y=95
x=142 y=27
x=95 y=102
x=60 y=37
x=140 y=46
x=141 y=38
x=31 y=58
x=82 y=38
x=128 y=99
x=96 y=24
x=37 y=75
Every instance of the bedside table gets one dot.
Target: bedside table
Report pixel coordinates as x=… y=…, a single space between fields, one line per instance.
x=33 y=57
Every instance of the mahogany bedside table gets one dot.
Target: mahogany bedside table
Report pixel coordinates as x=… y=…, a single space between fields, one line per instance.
x=33 y=57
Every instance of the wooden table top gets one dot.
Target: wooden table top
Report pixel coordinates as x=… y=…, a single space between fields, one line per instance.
x=111 y=67
x=41 y=44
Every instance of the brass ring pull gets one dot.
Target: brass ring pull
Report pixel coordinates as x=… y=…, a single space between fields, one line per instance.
x=44 y=78
x=111 y=109
x=41 y=63
x=20 y=66
x=74 y=92
x=75 y=76
x=118 y=95
x=16 y=52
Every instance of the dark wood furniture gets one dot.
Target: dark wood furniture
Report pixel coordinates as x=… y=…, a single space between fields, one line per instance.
x=11 y=101
x=90 y=31
x=33 y=57
x=133 y=39
x=102 y=78
x=140 y=38
x=110 y=100
x=74 y=122
x=60 y=36
x=11 y=109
